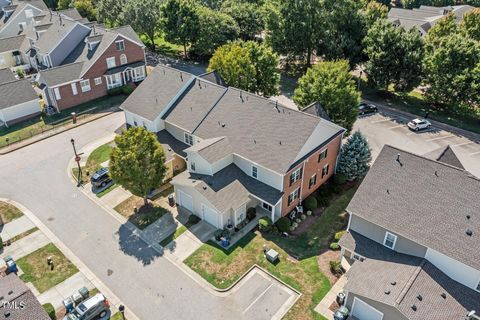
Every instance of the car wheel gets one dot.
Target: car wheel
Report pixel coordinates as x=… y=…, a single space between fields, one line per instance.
x=103 y=314
x=416 y=129
x=429 y=126
x=103 y=184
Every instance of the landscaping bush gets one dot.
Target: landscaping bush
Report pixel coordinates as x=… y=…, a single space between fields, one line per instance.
x=283 y=224
x=20 y=73
x=298 y=220
x=339 y=234
x=309 y=213
x=323 y=202
x=295 y=225
x=339 y=179
x=127 y=90
x=115 y=91
x=48 y=307
x=336 y=267
x=1 y=243
x=311 y=203
x=336 y=189
x=264 y=224
x=334 y=246
x=251 y=213
x=193 y=219
x=292 y=228
x=303 y=217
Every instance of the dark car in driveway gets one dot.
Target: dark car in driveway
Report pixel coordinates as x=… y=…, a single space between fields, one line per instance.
x=365 y=108
x=101 y=178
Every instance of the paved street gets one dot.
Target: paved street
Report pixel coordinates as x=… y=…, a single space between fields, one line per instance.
x=388 y=127
x=152 y=286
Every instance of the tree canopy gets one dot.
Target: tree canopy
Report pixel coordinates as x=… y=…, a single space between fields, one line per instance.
x=355 y=157
x=110 y=12
x=138 y=161
x=144 y=17
x=247 y=65
x=247 y=15
x=331 y=84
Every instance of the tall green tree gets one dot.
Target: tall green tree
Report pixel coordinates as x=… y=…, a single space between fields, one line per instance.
x=214 y=29
x=373 y=12
x=180 y=22
x=331 y=84
x=64 y=4
x=138 y=162
x=110 y=12
x=248 y=16
x=394 y=57
x=355 y=157
x=470 y=24
x=443 y=28
x=247 y=65
x=144 y=17
x=86 y=9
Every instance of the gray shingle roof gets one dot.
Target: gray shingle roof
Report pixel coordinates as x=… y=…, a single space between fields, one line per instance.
x=213 y=149
x=423 y=200
x=59 y=28
x=171 y=145
x=213 y=77
x=71 y=13
x=413 y=276
x=228 y=188
x=18 y=6
x=317 y=110
x=6 y=75
x=16 y=92
x=445 y=155
x=64 y=73
x=12 y=289
x=11 y=43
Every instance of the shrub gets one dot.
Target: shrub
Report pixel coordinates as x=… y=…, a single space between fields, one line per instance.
x=323 y=202
x=339 y=234
x=339 y=179
x=303 y=217
x=120 y=90
x=292 y=228
x=127 y=90
x=336 y=189
x=334 y=246
x=251 y=213
x=309 y=213
x=20 y=73
x=193 y=219
x=295 y=225
x=1 y=242
x=298 y=220
x=311 y=203
x=50 y=310
x=264 y=223
x=283 y=224
x=335 y=266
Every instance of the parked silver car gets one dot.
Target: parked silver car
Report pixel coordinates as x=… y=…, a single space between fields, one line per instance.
x=93 y=308
x=419 y=124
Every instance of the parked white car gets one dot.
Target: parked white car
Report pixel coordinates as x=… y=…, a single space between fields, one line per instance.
x=419 y=124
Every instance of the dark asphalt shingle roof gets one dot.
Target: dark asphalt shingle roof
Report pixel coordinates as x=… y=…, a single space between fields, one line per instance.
x=317 y=110
x=228 y=188
x=62 y=74
x=423 y=200
x=16 y=92
x=171 y=145
x=445 y=155
x=213 y=149
x=11 y=43
x=413 y=276
x=213 y=77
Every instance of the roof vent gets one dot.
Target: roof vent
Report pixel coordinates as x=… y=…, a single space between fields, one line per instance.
x=468 y=217
x=436 y=173
x=398 y=159
x=10 y=292
x=388 y=191
x=254 y=141
x=241 y=96
x=280 y=142
x=223 y=125
x=7 y=314
x=199 y=84
x=276 y=106
x=469 y=232
x=414 y=307
x=393 y=283
x=419 y=297
x=387 y=291
x=444 y=295
x=204 y=187
x=169 y=149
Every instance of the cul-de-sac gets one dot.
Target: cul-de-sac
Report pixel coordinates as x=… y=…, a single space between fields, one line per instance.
x=239 y=159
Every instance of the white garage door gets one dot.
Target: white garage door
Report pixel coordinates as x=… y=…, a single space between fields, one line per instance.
x=210 y=215
x=185 y=200
x=364 y=311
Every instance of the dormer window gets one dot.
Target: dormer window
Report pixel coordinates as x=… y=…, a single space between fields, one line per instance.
x=390 y=240
x=188 y=139
x=254 y=172
x=120 y=45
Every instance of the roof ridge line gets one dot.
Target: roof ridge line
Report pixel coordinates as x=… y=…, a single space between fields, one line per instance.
x=62 y=65
x=211 y=109
x=410 y=282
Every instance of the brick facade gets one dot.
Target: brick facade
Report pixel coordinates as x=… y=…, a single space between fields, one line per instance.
x=133 y=52
x=310 y=166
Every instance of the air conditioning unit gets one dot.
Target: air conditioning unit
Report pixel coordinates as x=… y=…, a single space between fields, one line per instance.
x=472 y=315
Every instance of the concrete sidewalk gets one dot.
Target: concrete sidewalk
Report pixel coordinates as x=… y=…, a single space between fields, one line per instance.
x=330 y=297
x=16 y=227
x=189 y=241
x=26 y=245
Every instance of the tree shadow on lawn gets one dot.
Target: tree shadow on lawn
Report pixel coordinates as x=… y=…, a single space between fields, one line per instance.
x=132 y=245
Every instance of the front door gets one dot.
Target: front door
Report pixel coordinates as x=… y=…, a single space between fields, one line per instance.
x=128 y=75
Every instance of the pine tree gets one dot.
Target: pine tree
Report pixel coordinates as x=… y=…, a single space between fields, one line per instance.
x=355 y=157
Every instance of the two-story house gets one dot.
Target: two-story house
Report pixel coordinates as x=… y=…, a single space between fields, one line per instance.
x=241 y=150
x=413 y=237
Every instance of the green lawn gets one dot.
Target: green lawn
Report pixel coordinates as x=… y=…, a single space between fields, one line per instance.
x=141 y=216
x=164 y=47
x=8 y=212
x=31 y=127
x=40 y=274
x=50 y=310
x=178 y=232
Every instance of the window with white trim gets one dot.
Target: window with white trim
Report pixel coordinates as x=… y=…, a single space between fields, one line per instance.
x=254 y=172
x=120 y=45
x=293 y=196
x=192 y=166
x=114 y=80
x=312 y=181
x=357 y=257
x=56 y=91
x=322 y=155
x=188 y=139
x=390 y=240
x=98 y=81
x=139 y=73
x=85 y=85
x=111 y=62
x=74 y=88
x=296 y=175
x=123 y=59
x=325 y=170
x=266 y=206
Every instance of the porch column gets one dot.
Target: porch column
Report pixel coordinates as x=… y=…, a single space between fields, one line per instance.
x=273 y=214
x=123 y=76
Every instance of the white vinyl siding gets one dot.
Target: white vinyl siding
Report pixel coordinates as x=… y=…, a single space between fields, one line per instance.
x=111 y=62
x=74 y=88
x=56 y=91
x=363 y=311
x=390 y=240
x=139 y=73
x=85 y=85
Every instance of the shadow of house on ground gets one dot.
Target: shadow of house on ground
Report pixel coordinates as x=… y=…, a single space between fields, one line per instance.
x=132 y=245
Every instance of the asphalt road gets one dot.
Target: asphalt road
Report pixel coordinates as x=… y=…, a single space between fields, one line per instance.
x=149 y=284
x=389 y=127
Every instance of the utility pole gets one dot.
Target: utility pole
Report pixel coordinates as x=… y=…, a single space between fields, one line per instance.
x=77 y=159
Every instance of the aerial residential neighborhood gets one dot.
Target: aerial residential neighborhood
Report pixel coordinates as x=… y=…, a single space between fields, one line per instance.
x=239 y=159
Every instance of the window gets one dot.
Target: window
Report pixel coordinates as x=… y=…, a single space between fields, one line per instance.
x=123 y=59
x=139 y=73
x=85 y=85
x=188 y=139
x=322 y=155
x=57 y=93
x=389 y=240
x=98 y=81
x=74 y=88
x=293 y=196
x=325 y=170
x=192 y=166
x=266 y=206
x=254 y=172
x=357 y=257
x=312 y=181
x=111 y=62
x=120 y=45
x=114 y=80
x=296 y=175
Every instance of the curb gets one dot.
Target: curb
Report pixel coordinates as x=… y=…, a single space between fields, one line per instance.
x=53 y=134
x=72 y=257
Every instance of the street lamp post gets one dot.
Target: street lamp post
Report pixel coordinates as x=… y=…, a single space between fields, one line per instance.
x=77 y=159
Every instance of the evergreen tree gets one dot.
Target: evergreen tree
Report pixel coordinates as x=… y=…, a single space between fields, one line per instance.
x=355 y=157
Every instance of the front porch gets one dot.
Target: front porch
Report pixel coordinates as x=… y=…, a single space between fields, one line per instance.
x=125 y=74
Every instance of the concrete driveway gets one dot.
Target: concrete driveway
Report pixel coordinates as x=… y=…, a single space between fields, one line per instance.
x=391 y=128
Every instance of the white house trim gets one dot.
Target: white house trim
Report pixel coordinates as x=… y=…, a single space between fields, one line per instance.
x=394 y=241
x=375 y=311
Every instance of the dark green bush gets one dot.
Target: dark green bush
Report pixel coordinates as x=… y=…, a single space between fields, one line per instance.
x=339 y=179
x=1 y=242
x=339 y=234
x=48 y=307
x=323 y=202
x=283 y=224
x=311 y=203
x=336 y=267
x=336 y=189
x=264 y=223
x=127 y=90
x=251 y=213
x=334 y=246
x=120 y=90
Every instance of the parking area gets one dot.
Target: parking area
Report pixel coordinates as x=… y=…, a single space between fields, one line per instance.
x=387 y=128
x=258 y=296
